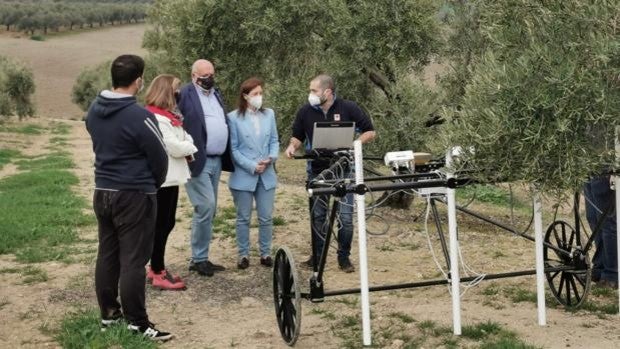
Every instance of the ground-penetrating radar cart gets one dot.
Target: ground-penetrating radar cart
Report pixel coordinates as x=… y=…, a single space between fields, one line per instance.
x=562 y=251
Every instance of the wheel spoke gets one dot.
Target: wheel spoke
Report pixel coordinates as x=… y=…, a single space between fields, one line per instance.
x=581 y=280
x=564 y=237
x=575 y=290
x=558 y=241
x=568 y=298
x=555 y=273
x=561 y=284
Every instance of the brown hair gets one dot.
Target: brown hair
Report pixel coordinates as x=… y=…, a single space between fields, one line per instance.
x=247 y=86
x=160 y=93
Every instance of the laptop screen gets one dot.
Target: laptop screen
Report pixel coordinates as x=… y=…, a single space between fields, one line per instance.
x=333 y=135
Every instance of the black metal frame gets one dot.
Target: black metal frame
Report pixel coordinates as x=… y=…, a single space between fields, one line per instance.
x=427 y=180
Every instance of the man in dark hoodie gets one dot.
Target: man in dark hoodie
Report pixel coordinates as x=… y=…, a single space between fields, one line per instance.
x=130 y=164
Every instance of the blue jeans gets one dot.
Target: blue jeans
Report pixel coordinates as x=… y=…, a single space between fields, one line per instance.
x=598 y=197
x=319 y=218
x=202 y=192
x=264 y=209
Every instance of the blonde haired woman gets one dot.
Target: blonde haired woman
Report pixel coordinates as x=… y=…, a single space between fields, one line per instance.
x=160 y=100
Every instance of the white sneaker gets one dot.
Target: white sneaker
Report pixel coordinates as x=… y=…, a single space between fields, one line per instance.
x=150 y=332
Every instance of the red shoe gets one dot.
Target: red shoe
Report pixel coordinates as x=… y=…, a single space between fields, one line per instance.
x=164 y=281
x=150 y=274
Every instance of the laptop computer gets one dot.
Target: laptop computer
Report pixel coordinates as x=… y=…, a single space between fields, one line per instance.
x=331 y=135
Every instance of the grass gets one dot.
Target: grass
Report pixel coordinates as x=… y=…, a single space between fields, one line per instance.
x=30 y=274
x=33 y=275
x=29 y=129
x=325 y=314
x=489 y=194
x=602 y=308
x=80 y=329
x=481 y=331
x=278 y=221
x=59 y=128
x=54 y=161
x=224 y=222
x=44 y=212
x=402 y=317
x=7 y=155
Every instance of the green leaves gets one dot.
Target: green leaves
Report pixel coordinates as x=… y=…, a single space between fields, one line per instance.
x=16 y=89
x=539 y=105
x=287 y=42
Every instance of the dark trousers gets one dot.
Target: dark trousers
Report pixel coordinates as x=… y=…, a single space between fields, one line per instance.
x=600 y=196
x=126 y=227
x=167 y=198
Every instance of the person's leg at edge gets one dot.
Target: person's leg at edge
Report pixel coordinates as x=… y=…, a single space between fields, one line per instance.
x=318 y=221
x=107 y=269
x=601 y=190
x=345 y=228
x=166 y=211
x=243 y=204
x=201 y=195
x=264 y=210
x=135 y=217
x=592 y=214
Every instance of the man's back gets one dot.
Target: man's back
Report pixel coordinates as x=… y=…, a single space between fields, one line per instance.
x=129 y=153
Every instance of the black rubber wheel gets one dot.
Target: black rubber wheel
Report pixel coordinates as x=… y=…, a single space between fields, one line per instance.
x=570 y=287
x=286 y=296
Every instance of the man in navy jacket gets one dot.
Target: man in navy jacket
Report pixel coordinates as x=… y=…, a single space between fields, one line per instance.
x=205 y=120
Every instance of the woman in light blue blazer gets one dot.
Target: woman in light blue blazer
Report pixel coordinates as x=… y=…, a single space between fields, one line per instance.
x=254 y=144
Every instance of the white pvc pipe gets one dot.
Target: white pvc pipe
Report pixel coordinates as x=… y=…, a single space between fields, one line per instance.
x=617 y=185
x=540 y=267
x=360 y=205
x=455 y=278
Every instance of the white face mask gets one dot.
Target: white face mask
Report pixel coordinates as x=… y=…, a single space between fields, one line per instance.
x=314 y=100
x=255 y=101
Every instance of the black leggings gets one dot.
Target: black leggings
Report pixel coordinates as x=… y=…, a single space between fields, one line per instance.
x=166 y=211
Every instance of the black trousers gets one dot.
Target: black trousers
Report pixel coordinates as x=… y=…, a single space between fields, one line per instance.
x=126 y=224
x=167 y=198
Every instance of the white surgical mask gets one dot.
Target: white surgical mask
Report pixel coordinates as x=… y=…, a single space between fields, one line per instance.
x=314 y=100
x=255 y=101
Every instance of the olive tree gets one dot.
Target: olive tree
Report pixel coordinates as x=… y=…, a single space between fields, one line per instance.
x=374 y=50
x=535 y=95
x=95 y=79
x=16 y=89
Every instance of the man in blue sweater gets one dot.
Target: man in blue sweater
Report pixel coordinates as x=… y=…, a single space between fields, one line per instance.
x=130 y=165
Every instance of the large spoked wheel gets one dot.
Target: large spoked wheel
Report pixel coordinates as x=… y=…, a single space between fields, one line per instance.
x=286 y=296
x=570 y=287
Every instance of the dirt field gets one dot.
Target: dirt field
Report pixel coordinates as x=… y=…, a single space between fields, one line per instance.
x=235 y=308
x=57 y=62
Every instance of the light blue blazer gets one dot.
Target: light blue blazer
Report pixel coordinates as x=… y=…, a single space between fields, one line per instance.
x=248 y=149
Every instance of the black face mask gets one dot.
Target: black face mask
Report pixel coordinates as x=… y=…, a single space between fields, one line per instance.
x=205 y=82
